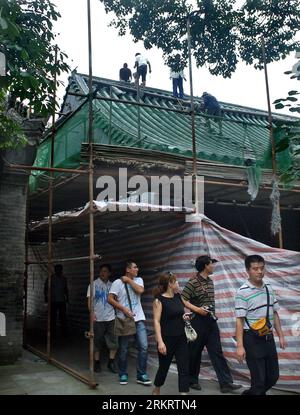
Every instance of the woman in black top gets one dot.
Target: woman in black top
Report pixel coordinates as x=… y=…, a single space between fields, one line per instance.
x=168 y=312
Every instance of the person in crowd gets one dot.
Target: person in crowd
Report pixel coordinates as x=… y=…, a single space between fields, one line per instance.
x=59 y=299
x=256 y=315
x=118 y=298
x=199 y=297
x=104 y=319
x=168 y=318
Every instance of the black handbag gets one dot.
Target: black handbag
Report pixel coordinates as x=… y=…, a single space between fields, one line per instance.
x=125 y=326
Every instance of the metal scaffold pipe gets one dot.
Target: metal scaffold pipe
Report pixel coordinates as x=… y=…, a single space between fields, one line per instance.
x=91 y=197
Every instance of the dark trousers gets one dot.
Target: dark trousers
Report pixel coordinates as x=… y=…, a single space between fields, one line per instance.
x=209 y=336
x=59 y=308
x=142 y=71
x=176 y=345
x=262 y=361
x=177 y=84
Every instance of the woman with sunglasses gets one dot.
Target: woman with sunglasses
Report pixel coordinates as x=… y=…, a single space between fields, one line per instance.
x=168 y=317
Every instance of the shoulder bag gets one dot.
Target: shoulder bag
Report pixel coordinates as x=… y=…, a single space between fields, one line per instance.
x=125 y=326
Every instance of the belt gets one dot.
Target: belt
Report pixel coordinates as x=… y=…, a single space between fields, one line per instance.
x=266 y=337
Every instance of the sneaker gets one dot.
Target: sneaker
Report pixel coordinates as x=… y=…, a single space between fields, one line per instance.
x=123 y=379
x=144 y=380
x=112 y=366
x=97 y=366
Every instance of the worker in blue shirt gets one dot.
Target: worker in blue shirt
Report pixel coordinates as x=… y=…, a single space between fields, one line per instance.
x=212 y=107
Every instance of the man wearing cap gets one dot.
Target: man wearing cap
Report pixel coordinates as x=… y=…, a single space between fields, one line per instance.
x=198 y=296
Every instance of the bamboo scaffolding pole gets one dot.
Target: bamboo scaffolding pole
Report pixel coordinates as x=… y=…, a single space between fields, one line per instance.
x=91 y=198
x=74 y=259
x=25 y=286
x=62 y=366
x=192 y=113
x=50 y=169
x=270 y=120
x=50 y=268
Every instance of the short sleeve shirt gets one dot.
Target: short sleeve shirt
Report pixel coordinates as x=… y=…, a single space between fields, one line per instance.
x=251 y=302
x=200 y=292
x=119 y=290
x=102 y=309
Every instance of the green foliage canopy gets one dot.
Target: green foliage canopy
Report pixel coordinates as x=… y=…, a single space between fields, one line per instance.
x=28 y=43
x=223 y=32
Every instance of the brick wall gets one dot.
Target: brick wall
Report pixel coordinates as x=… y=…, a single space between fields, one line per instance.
x=13 y=197
x=13 y=212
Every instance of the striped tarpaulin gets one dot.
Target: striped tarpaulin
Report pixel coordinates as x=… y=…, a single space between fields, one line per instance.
x=173 y=244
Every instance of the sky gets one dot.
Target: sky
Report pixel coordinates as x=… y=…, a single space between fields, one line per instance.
x=109 y=51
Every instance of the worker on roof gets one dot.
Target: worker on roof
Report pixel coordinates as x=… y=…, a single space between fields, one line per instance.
x=211 y=104
x=212 y=107
x=125 y=73
x=141 y=63
x=177 y=83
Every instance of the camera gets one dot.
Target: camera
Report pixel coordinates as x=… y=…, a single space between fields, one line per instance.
x=209 y=309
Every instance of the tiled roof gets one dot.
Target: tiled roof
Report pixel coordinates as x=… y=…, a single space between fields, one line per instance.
x=245 y=133
x=244 y=130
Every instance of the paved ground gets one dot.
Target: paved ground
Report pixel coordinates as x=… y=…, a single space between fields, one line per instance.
x=33 y=376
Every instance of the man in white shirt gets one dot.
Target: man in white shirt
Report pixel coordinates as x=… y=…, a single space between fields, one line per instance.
x=141 y=63
x=104 y=319
x=118 y=298
x=177 y=83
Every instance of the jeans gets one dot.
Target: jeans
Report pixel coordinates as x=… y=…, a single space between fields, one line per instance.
x=142 y=345
x=177 y=84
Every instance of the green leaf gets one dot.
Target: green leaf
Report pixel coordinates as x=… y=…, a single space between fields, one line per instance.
x=293 y=93
x=3 y=23
x=279 y=106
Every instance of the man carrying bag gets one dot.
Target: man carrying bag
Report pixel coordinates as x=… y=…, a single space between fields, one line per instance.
x=125 y=296
x=256 y=314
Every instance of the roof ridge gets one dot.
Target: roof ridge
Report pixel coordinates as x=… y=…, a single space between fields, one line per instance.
x=161 y=93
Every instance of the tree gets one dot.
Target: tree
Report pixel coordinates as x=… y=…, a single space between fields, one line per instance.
x=27 y=41
x=222 y=33
x=289 y=132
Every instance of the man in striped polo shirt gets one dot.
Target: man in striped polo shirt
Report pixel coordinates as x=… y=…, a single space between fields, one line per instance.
x=259 y=349
x=198 y=295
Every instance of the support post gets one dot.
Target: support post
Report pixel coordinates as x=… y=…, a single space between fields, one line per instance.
x=91 y=197
x=193 y=129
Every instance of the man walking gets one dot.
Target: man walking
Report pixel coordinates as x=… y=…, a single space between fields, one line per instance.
x=256 y=314
x=118 y=298
x=141 y=63
x=198 y=296
x=104 y=319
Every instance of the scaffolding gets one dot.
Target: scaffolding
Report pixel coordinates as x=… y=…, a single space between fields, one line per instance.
x=89 y=171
